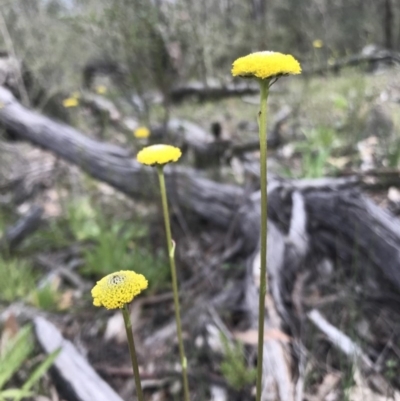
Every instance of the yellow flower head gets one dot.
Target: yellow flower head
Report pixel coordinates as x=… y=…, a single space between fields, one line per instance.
x=159 y=154
x=117 y=289
x=101 y=89
x=318 y=43
x=141 y=132
x=265 y=65
x=70 y=102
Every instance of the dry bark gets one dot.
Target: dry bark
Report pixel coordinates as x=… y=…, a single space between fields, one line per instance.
x=24 y=227
x=78 y=380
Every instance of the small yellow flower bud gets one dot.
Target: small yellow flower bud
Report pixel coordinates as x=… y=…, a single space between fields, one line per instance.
x=141 y=133
x=70 y=102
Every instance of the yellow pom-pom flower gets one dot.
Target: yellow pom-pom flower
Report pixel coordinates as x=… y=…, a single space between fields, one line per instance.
x=317 y=43
x=70 y=102
x=118 y=289
x=265 y=65
x=141 y=133
x=159 y=154
x=101 y=89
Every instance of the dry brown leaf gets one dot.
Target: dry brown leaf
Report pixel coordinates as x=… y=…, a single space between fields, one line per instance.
x=52 y=203
x=66 y=300
x=361 y=392
x=339 y=162
x=330 y=381
x=10 y=329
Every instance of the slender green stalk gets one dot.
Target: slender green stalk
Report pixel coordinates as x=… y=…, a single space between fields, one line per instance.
x=171 y=255
x=132 y=351
x=262 y=125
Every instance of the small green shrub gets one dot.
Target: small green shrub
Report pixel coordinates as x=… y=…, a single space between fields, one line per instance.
x=393 y=154
x=116 y=249
x=116 y=245
x=46 y=298
x=391 y=370
x=234 y=367
x=83 y=219
x=17 y=279
x=79 y=224
x=316 y=151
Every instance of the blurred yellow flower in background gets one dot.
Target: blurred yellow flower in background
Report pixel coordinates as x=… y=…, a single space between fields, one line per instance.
x=265 y=65
x=101 y=89
x=70 y=102
x=141 y=133
x=159 y=154
x=318 y=43
x=118 y=289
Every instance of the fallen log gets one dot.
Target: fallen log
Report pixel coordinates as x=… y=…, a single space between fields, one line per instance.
x=214 y=91
x=371 y=59
x=177 y=94
x=77 y=380
x=209 y=200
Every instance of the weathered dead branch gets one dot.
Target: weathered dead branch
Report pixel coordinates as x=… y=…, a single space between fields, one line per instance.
x=115 y=165
x=378 y=56
x=25 y=226
x=77 y=378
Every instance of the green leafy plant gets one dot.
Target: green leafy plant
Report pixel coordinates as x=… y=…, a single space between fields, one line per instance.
x=16 y=278
x=340 y=102
x=46 y=298
x=234 y=366
x=393 y=153
x=316 y=151
x=83 y=219
x=18 y=281
x=15 y=352
x=391 y=368
x=116 y=248
x=80 y=223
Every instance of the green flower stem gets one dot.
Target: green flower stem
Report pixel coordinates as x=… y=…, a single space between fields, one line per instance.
x=171 y=255
x=262 y=124
x=132 y=351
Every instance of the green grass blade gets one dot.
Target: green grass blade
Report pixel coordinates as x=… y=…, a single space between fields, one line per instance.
x=41 y=370
x=15 y=393
x=17 y=351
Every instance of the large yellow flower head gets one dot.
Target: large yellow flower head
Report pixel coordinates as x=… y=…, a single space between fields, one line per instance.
x=159 y=154
x=117 y=289
x=265 y=65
